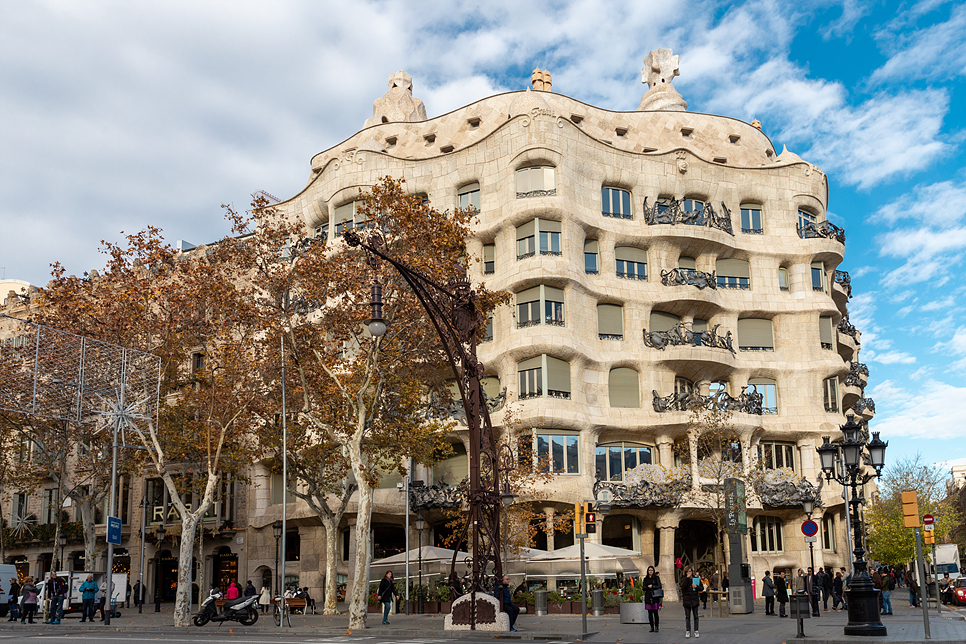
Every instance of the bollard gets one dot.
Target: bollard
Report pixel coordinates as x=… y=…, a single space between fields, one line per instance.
x=540 y=603
x=598 y=602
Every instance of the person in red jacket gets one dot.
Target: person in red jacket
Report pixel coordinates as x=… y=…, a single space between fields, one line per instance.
x=234 y=592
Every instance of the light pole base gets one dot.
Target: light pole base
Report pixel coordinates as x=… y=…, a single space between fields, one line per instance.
x=864 y=613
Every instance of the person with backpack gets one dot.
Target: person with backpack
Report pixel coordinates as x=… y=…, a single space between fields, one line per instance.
x=888 y=585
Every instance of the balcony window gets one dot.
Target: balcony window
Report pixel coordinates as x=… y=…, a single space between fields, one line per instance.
x=733 y=273
x=624 y=388
x=687 y=265
x=751 y=220
x=783 y=279
x=536 y=181
x=544 y=230
x=610 y=321
x=631 y=262
x=696 y=207
x=558 y=452
x=469 y=196
x=683 y=386
x=546 y=298
x=661 y=321
x=489 y=259
x=768 y=389
x=828 y=532
x=544 y=375
x=322 y=232
x=755 y=335
x=819 y=282
x=348 y=217
x=591 y=247
x=488 y=329
x=616 y=203
x=830 y=389
x=613 y=459
x=805 y=218
x=774 y=455
x=766 y=534
x=826 y=334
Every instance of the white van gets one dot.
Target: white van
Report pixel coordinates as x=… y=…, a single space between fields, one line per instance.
x=7 y=572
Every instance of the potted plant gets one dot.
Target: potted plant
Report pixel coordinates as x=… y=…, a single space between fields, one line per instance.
x=431 y=602
x=555 y=603
x=632 y=607
x=445 y=599
x=612 y=604
x=375 y=606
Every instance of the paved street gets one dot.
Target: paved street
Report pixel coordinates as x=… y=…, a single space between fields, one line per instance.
x=904 y=626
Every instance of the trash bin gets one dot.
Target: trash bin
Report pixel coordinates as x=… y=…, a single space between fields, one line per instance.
x=799 y=607
x=598 y=602
x=540 y=602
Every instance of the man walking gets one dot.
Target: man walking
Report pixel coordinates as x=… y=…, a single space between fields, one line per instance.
x=813 y=589
x=137 y=590
x=88 y=591
x=768 y=592
x=826 y=587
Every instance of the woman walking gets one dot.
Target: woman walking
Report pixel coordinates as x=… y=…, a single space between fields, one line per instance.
x=838 y=586
x=781 y=592
x=29 y=593
x=768 y=592
x=265 y=598
x=387 y=592
x=653 y=595
x=690 y=598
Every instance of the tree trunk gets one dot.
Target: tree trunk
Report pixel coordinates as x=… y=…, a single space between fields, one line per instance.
x=90 y=537
x=359 y=601
x=182 y=598
x=331 y=526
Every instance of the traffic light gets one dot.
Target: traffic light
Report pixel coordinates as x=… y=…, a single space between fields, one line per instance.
x=591 y=520
x=579 y=518
x=929 y=537
x=910 y=510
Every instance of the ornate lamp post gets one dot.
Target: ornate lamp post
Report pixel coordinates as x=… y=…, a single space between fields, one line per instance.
x=863 y=602
x=420 y=526
x=277 y=529
x=159 y=533
x=453 y=311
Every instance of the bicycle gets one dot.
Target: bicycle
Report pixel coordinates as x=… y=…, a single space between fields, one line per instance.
x=277 y=613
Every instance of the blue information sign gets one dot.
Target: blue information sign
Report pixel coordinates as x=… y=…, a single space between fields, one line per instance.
x=114 y=530
x=810 y=528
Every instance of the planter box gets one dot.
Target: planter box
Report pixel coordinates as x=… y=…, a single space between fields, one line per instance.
x=559 y=609
x=612 y=610
x=430 y=608
x=375 y=608
x=445 y=607
x=633 y=613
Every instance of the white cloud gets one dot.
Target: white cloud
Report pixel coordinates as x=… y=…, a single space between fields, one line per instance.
x=890 y=357
x=852 y=12
x=938 y=305
x=936 y=52
x=933 y=410
x=939 y=205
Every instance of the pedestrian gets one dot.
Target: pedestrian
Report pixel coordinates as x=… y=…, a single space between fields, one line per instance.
x=506 y=601
x=798 y=583
x=837 y=589
x=653 y=597
x=705 y=585
x=690 y=598
x=781 y=592
x=826 y=587
x=13 y=600
x=138 y=593
x=387 y=592
x=888 y=585
x=55 y=588
x=265 y=598
x=88 y=592
x=250 y=589
x=725 y=584
x=714 y=586
x=847 y=576
x=99 y=598
x=813 y=589
x=28 y=594
x=768 y=592
x=233 y=591
x=913 y=589
x=127 y=596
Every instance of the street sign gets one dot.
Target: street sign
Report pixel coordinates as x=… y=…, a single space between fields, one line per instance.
x=811 y=539
x=928 y=519
x=736 y=517
x=809 y=529
x=114 y=530
x=928 y=527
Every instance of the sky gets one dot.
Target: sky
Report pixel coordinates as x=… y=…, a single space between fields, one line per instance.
x=119 y=115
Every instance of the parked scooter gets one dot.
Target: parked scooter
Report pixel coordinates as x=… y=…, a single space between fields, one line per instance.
x=240 y=610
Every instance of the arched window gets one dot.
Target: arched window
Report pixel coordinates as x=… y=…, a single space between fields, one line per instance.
x=613 y=459
x=767 y=534
x=755 y=334
x=616 y=203
x=536 y=181
x=469 y=196
x=623 y=388
x=453 y=468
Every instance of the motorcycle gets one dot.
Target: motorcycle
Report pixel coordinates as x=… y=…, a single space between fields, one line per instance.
x=240 y=610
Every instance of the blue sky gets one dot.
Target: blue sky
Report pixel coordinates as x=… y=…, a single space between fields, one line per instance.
x=116 y=115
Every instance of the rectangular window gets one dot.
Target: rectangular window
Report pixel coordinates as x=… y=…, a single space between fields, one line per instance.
x=769 y=395
x=751 y=220
x=590 y=256
x=616 y=203
x=733 y=273
x=345 y=216
x=278 y=485
x=488 y=331
x=776 y=455
x=526 y=240
x=531 y=378
x=831 y=392
x=783 y=279
x=549 y=236
x=469 y=196
x=610 y=322
x=755 y=334
x=20 y=503
x=766 y=534
x=532 y=300
x=805 y=219
x=537 y=181
x=528 y=307
x=818 y=277
x=828 y=532
x=489 y=259
x=50 y=506
x=631 y=262
x=558 y=377
x=553 y=306
x=558 y=453
x=825 y=332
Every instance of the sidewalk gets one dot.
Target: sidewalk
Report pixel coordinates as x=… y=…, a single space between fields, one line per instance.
x=905 y=626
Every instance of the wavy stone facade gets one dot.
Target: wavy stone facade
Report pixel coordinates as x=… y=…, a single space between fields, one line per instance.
x=779 y=271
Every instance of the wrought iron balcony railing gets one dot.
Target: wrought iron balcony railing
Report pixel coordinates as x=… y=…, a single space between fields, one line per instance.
x=856 y=371
x=689 y=276
x=681 y=335
x=846 y=327
x=845 y=280
x=811 y=229
x=747 y=402
x=863 y=403
x=672 y=212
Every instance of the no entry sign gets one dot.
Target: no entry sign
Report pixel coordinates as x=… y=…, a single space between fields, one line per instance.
x=928 y=519
x=809 y=528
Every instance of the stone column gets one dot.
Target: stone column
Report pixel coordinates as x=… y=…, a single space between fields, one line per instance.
x=665 y=451
x=548 y=527
x=667 y=525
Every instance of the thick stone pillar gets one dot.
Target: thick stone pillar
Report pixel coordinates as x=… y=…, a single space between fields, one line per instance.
x=548 y=527
x=665 y=451
x=666 y=526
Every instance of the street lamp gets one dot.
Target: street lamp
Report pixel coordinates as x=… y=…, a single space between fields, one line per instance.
x=159 y=533
x=277 y=529
x=863 y=603
x=808 y=504
x=420 y=526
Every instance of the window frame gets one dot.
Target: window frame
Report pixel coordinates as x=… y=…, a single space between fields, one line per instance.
x=535 y=192
x=828 y=532
x=595 y=253
x=623 y=446
x=570 y=438
x=751 y=229
x=610 y=392
x=735 y=282
x=538 y=379
x=751 y=347
x=468 y=191
x=783 y=274
x=765 y=407
x=557 y=309
x=625 y=202
x=786 y=448
x=830 y=395
x=767 y=526
x=805 y=217
x=489 y=265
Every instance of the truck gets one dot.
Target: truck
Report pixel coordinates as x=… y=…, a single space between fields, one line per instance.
x=75 y=578
x=947 y=561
